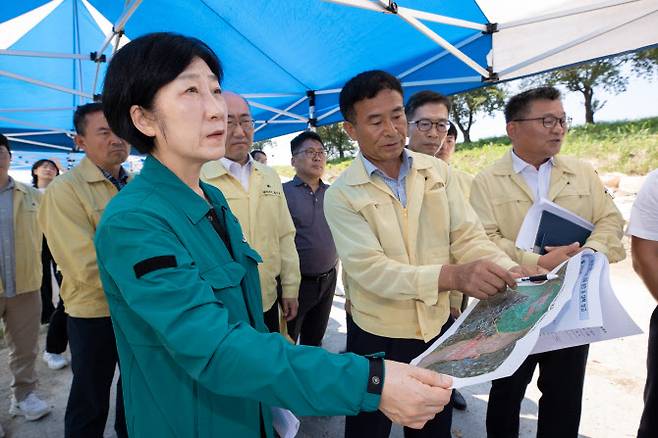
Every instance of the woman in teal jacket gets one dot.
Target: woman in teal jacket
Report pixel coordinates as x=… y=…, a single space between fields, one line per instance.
x=182 y=283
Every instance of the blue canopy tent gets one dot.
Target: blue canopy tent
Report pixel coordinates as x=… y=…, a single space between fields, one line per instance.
x=290 y=59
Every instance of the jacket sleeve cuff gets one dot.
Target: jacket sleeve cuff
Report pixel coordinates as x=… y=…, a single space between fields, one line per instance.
x=455 y=299
x=596 y=246
x=290 y=292
x=428 y=284
x=530 y=258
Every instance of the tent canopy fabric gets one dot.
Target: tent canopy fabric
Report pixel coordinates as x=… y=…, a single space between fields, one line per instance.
x=290 y=59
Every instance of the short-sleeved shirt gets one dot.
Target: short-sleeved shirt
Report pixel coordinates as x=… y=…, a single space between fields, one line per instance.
x=644 y=214
x=315 y=245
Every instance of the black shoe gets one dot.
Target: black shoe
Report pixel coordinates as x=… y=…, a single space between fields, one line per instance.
x=458 y=401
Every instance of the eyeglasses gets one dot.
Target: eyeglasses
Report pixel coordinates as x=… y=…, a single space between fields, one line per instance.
x=312 y=154
x=246 y=124
x=425 y=125
x=549 y=121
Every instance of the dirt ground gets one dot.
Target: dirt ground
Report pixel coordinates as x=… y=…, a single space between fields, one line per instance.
x=612 y=401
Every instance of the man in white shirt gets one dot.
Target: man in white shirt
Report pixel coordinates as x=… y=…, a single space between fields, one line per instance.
x=643 y=229
x=255 y=195
x=501 y=195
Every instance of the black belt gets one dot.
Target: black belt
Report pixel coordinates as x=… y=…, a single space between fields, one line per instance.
x=318 y=277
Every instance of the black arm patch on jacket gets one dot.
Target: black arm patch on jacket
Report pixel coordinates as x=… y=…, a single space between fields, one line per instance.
x=153 y=264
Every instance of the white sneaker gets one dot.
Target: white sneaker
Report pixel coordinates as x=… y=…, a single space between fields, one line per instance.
x=55 y=361
x=32 y=408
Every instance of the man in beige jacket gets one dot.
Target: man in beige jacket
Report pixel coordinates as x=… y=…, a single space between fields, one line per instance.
x=501 y=195
x=20 y=280
x=399 y=222
x=255 y=195
x=69 y=214
x=431 y=133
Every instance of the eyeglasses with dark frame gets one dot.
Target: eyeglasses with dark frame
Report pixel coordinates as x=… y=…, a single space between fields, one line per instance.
x=312 y=154
x=246 y=124
x=549 y=121
x=425 y=125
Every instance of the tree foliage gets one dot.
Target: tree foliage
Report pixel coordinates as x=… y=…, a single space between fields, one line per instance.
x=466 y=106
x=262 y=144
x=609 y=74
x=336 y=141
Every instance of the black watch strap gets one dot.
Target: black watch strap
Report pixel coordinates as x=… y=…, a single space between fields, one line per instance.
x=376 y=375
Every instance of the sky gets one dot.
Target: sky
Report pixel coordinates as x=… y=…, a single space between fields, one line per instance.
x=639 y=101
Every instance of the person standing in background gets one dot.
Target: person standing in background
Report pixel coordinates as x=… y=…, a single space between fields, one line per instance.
x=255 y=194
x=315 y=245
x=69 y=214
x=431 y=133
x=43 y=173
x=20 y=279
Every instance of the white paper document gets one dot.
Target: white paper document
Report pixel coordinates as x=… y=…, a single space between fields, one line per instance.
x=594 y=313
x=525 y=240
x=492 y=338
x=285 y=423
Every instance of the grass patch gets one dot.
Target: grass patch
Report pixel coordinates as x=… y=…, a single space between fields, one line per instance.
x=629 y=147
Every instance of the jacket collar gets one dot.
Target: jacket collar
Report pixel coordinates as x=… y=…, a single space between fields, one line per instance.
x=505 y=165
x=89 y=171
x=156 y=173
x=216 y=169
x=357 y=174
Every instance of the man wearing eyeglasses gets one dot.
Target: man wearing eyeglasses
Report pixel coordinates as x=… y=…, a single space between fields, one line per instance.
x=501 y=195
x=431 y=133
x=315 y=246
x=255 y=195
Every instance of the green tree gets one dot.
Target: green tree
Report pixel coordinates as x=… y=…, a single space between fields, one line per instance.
x=336 y=141
x=609 y=74
x=465 y=106
x=262 y=144
x=606 y=74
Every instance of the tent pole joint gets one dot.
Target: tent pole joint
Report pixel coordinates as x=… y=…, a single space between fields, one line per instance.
x=312 y=119
x=94 y=57
x=492 y=77
x=392 y=7
x=491 y=28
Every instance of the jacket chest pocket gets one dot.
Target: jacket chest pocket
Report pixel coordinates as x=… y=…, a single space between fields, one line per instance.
x=225 y=281
x=576 y=200
x=383 y=220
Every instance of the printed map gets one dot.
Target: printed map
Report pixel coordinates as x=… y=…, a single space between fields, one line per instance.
x=489 y=333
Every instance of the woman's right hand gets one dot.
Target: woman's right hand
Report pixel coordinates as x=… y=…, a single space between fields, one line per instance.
x=412 y=396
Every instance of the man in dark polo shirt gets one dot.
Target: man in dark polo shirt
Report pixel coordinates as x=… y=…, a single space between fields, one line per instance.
x=315 y=245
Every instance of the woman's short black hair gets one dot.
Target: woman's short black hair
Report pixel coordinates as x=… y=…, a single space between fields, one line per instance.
x=36 y=165
x=140 y=69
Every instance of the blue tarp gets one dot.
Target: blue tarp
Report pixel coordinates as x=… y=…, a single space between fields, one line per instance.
x=278 y=53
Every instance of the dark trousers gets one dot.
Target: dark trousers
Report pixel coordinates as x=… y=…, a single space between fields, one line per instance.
x=561 y=378
x=649 y=422
x=93 y=361
x=376 y=424
x=271 y=318
x=57 y=337
x=316 y=295
x=47 y=307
